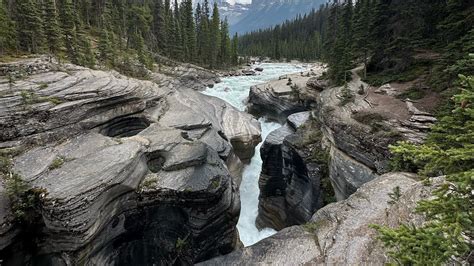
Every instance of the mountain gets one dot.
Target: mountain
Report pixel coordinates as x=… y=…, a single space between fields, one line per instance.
x=266 y=13
x=233 y=10
x=249 y=15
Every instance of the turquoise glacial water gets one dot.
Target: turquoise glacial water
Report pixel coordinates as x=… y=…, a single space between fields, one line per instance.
x=235 y=90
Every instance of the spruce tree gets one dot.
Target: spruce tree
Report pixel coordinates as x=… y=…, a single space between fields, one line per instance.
x=159 y=26
x=215 y=36
x=225 y=47
x=68 y=26
x=235 y=50
x=29 y=26
x=450 y=219
x=52 y=31
x=189 y=29
x=104 y=46
x=204 y=42
x=85 y=54
x=7 y=30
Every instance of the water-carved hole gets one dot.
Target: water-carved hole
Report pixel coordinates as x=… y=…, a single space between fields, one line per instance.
x=155 y=162
x=125 y=127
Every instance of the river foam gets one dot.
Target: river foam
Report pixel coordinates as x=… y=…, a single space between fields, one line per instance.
x=235 y=90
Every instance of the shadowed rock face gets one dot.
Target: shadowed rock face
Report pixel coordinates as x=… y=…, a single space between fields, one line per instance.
x=289 y=181
x=133 y=173
x=339 y=233
x=265 y=102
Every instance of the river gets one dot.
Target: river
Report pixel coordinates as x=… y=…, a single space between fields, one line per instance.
x=235 y=91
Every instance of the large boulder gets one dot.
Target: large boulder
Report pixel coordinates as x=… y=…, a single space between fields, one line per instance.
x=340 y=233
x=130 y=172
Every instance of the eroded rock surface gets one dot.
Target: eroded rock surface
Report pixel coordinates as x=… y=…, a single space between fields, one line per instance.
x=132 y=172
x=339 y=233
x=359 y=148
x=290 y=180
x=278 y=104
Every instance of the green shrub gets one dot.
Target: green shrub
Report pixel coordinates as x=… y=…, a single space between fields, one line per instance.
x=346 y=96
x=57 y=163
x=413 y=93
x=449 y=150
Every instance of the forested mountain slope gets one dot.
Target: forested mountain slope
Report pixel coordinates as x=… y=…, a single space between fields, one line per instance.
x=112 y=33
x=388 y=36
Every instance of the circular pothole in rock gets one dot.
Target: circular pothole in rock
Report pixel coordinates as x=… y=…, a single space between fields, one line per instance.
x=155 y=162
x=124 y=127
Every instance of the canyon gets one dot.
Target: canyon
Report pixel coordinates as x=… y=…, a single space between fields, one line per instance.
x=151 y=171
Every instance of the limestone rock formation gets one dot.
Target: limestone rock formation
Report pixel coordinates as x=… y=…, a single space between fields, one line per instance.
x=174 y=74
x=276 y=104
x=339 y=233
x=359 y=148
x=290 y=180
x=280 y=98
x=132 y=172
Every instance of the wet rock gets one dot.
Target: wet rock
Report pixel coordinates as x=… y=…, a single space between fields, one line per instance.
x=248 y=72
x=259 y=69
x=290 y=181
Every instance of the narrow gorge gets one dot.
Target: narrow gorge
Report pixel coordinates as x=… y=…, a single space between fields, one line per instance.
x=131 y=171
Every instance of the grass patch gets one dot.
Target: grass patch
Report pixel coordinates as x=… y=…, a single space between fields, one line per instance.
x=367 y=118
x=412 y=73
x=413 y=93
x=57 y=163
x=149 y=183
x=346 y=96
x=29 y=97
x=5 y=165
x=43 y=86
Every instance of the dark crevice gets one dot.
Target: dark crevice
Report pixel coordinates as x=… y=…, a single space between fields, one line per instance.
x=124 y=127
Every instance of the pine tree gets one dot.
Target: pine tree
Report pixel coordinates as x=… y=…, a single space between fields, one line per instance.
x=189 y=29
x=204 y=42
x=380 y=35
x=51 y=27
x=29 y=26
x=214 y=36
x=362 y=31
x=85 y=54
x=346 y=38
x=235 y=50
x=450 y=219
x=104 y=46
x=225 y=47
x=7 y=31
x=68 y=26
x=159 y=26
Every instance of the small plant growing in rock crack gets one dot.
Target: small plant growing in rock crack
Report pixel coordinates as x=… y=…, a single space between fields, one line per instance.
x=290 y=82
x=30 y=97
x=43 y=86
x=346 y=96
x=57 y=163
x=215 y=183
x=149 y=183
x=181 y=243
x=395 y=195
x=311 y=227
x=23 y=199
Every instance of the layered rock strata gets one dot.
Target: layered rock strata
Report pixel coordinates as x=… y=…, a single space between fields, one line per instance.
x=340 y=233
x=130 y=172
x=290 y=179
